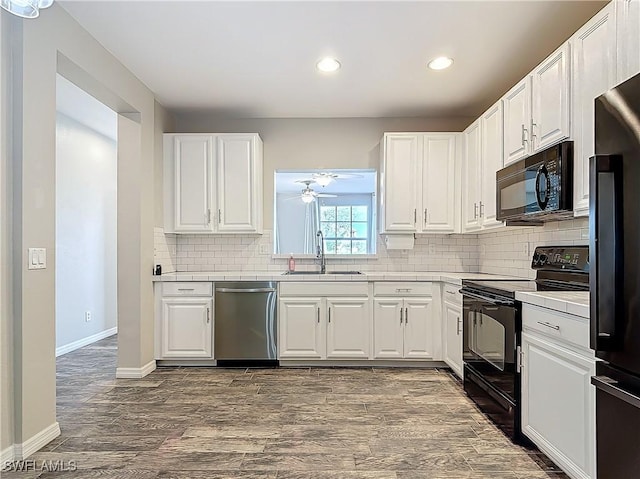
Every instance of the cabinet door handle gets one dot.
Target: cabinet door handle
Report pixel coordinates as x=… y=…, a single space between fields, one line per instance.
x=475 y=211
x=219 y=216
x=318 y=315
x=186 y=289
x=415 y=216
x=523 y=138
x=329 y=313
x=208 y=216
x=208 y=315
x=400 y=315
x=425 y=216
x=458 y=327
x=549 y=325
x=533 y=135
x=406 y=315
x=481 y=209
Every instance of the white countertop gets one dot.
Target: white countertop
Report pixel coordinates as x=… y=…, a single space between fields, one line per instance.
x=447 y=277
x=571 y=302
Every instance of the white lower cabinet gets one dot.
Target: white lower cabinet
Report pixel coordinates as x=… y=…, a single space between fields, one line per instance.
x=452 y=318
x=187 y=330
x=324 y=327
x=558 y=400
x=402 y=328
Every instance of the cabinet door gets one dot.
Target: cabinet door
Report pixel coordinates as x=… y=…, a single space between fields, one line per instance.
x=418 y=328
x=193 y=164
x=302 y=326
x=186 y=328
x=628 y=38
x=348 y=323
x=388 y=328
x=237 y=178
x=594 y=72
x=517 y=117
x=558 y=404
x=453 y=335
x=550 y=108
x=438 y=183
x=492 y=160
x=400 y=182
x=471 y=177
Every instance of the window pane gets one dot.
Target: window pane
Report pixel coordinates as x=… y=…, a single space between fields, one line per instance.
x=328 y=229
x=344 y=247
x=359 y=247
x=344 y=213
x=330 y=247
x=360 y=230
x=327 y=213
x=359 y=213
x=343 y=230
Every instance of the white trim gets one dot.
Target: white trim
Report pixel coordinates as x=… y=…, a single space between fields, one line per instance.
x=67 y=348
x=136 y=373
x=34 y=443
x=7 y=455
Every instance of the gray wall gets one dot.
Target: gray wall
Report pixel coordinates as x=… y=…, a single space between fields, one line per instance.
x=165 y=122
x=302 y=143
x=56 y=43
x=86 y=228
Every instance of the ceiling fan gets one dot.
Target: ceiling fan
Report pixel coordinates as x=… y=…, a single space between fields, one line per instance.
x=308 y=194
x=325 y=178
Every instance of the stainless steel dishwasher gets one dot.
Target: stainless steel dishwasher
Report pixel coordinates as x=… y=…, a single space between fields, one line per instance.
x=245 y=323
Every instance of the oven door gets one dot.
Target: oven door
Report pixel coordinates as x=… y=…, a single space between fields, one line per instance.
x=490 y=336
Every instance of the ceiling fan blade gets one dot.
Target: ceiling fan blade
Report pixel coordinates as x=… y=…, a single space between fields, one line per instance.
x=324 y=195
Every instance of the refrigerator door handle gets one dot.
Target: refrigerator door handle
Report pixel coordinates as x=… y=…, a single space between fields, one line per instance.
x=605 y=251
x=610 y=386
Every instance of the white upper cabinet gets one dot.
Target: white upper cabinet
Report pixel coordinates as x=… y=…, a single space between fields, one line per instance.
x=594 y=72
x=471 y=176
x=212 y=183
x=628 y=38
x=438 y=185
x=239 y=178
x=399 y=182
x=491 y=161
x=550 y=105
x=192 y=163
x=517 y=120
x=418 y=184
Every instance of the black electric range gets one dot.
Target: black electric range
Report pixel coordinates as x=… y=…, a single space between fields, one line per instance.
x=492 y=329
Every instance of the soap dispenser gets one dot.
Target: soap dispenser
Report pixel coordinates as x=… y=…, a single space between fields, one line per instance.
x=292 y=264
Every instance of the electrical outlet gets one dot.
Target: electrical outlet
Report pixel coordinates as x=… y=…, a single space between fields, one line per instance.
x=432 y=249
x=525 y=248
x=87 y=316
x=264 y=249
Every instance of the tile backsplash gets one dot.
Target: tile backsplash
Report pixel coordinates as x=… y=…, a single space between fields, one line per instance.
x=507 y=251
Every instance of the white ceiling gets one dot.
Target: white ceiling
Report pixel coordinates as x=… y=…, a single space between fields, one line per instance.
x=257 y=59
x=364 y=182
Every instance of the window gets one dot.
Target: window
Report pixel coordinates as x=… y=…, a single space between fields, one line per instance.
x=346 y=229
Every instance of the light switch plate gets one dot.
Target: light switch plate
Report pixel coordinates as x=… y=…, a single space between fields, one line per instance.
x=432 y=249
x=264 y=249
x=37 y=258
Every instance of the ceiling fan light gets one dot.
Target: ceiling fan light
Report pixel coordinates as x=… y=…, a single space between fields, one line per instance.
x=324 y=180
x=45 y=3
x=21 y=8
x=307 y=198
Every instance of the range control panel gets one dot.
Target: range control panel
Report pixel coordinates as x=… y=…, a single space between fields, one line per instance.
x=567 y=258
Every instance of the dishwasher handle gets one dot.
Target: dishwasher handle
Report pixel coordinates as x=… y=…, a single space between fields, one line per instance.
x=247 y=290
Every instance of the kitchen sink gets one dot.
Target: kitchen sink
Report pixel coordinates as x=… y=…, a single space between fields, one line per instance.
x=318 y=272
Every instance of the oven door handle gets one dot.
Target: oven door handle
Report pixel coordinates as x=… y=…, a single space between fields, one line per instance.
x=499 y=302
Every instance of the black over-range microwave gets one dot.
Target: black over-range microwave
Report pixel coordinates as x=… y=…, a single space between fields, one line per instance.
x=538 y=188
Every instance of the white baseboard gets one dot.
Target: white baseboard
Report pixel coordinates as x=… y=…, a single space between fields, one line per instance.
x=7 y=455
x=136 y=373
x=31 y=445
x=67 y=348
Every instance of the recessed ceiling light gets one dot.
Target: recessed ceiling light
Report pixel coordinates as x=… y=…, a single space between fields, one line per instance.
x=440 y=63
x=328 y=65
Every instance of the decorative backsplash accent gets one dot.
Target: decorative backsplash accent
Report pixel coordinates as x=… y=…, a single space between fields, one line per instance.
x=502 y=252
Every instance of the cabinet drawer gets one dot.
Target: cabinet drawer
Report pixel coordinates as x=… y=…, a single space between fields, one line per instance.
x=187 y=289
x=564 y=327
x=325 y=288
x=452 y=294
x=402 y=289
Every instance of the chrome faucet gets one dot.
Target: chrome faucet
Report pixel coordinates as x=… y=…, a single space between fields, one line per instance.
x=320 y=252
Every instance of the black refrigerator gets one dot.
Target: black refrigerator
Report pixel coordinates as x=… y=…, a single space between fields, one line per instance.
x=614 y=223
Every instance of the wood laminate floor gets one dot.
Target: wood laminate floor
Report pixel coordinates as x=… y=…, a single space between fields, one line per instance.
x=206 y=423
